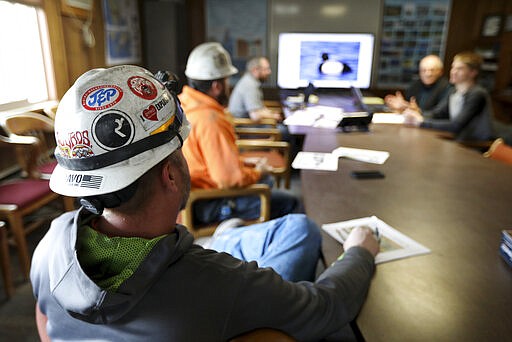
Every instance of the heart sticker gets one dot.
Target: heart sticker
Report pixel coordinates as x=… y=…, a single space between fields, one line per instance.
x=150 y=113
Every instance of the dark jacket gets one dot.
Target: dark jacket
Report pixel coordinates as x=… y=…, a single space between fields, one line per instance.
x=474 y=121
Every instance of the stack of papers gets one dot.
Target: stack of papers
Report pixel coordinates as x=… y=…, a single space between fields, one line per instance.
x=315 y=161
x=368 y=156
x=393 y=244
x=329 y=161
x=316 y=116
x=388 y=118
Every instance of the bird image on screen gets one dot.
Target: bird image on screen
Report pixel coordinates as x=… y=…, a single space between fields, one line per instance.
x=326 y=60
x=333 y=67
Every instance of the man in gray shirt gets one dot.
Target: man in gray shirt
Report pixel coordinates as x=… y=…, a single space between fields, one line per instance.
x=246 y=100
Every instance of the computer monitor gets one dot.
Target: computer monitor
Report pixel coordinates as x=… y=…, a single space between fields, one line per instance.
x=326 y=60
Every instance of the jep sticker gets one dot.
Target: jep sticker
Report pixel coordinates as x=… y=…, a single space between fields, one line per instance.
x=101 y=97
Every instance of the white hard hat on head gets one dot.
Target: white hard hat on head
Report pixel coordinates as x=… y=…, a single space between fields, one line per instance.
x=209 y=61
x=111 y=127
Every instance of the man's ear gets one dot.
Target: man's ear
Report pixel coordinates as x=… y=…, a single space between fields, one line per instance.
x=217 y=88
x=168 y=176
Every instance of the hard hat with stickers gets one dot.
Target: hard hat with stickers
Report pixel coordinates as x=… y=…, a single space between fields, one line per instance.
x=111 y=127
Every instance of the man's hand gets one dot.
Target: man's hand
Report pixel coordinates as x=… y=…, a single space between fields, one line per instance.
x=265 y=113
x=259 y=163
x=396 y=102
x=412 y=118
x=414 y=105
x=362 y=237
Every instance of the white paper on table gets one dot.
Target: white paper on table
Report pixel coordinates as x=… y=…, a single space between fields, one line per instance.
x=388 y=118
x=393 y=244
x=315 y=161
x=316 y=116
x=368 y=156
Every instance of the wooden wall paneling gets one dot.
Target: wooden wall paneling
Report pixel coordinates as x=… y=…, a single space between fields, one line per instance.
x=80 y=57
x=98 y=29
x=196 y=23
x=504 y=77
x=77 y=53
x=58 y=46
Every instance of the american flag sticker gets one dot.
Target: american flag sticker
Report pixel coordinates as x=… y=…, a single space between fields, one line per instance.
x=85 y=181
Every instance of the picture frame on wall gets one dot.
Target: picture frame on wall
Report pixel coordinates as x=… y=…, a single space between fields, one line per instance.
x=491 y=26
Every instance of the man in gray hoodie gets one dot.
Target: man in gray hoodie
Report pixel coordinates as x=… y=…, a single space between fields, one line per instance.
x=121 y=269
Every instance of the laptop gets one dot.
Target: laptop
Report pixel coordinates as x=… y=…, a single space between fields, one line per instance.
x=358 y=99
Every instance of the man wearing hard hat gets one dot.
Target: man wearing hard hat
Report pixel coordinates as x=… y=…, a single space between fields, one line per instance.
x=211 y=151
x=121 y=269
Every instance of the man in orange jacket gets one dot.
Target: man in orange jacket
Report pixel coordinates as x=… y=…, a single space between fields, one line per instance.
x=211 y=152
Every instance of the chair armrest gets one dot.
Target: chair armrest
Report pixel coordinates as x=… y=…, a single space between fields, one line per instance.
x=270 y=133
x=273 y=105
x=261 y=190
x=254 y=144
x=250 y=122
x=19 y=139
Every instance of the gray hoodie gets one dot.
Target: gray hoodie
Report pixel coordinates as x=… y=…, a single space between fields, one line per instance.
x=182 y=292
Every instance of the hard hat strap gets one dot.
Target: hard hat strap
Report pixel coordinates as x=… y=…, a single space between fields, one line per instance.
x=120 y=154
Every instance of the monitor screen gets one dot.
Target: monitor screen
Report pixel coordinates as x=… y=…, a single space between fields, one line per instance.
x=327 y=60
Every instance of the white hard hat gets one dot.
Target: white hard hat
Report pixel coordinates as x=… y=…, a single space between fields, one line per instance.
x=111 y=127
x=209 y=61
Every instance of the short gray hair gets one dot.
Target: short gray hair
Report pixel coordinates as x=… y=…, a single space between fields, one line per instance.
x=254 y=62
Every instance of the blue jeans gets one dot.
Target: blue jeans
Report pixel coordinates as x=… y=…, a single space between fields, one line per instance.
x=246 y=207
x=290 y=245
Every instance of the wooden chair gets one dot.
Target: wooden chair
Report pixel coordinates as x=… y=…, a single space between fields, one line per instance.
x=276 y=153
x=274 y=105
x=500 y=151
x=254 y=142
x=20 y=198
x=36 y=161
x=187 y=217
x=5 y=261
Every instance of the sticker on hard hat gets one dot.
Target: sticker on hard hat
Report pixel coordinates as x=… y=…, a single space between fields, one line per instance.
x=101 y=97
x=112 y=129
x=84 y=181
x=75 y=145
x=142 y=87
x=156 y=113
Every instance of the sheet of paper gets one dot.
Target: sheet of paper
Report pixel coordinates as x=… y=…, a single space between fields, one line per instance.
x=393 y=244
x=388 y=118
x=316 y=116
x=315 y=161
x=368 y=156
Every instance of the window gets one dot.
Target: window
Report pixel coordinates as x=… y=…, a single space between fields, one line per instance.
x=25 y=67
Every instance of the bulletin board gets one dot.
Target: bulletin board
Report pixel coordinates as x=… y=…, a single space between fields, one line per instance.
x=411 y=29
x=240 y=26
x=122 y=32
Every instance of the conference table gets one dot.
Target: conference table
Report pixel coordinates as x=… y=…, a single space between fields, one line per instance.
x=446 y=197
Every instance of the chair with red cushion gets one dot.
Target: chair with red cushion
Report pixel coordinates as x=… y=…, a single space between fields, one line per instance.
x=19 y=198
x=5 y=261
